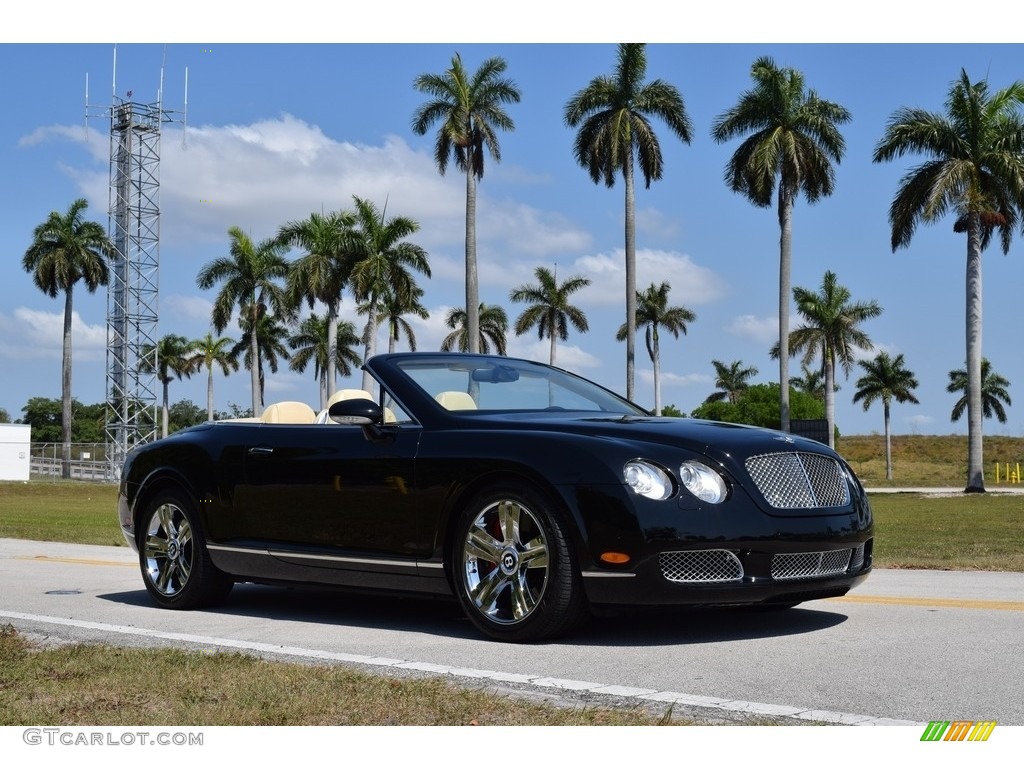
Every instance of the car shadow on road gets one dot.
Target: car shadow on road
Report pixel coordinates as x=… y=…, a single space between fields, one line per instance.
x=443 y=617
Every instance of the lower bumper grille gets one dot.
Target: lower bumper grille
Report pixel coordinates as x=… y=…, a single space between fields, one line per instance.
x=809 y=565
x=701 y=566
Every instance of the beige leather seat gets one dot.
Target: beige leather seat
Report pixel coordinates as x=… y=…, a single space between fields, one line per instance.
x=288 y=412
x=456 y=401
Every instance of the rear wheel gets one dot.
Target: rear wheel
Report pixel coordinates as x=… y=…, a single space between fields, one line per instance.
x=515 y=574
x=176 y=566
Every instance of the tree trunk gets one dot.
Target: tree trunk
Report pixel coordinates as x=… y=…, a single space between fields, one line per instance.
x=332 y=347
x=209 y=393
x=254 y=369
x=627 y=173
x=656 y=360
x=888 y=442
x=975 y=463
x=472 y=282
x=830 y=396
x=65 y=389
x=370 y=343
x=786 y=198
x=165 y=409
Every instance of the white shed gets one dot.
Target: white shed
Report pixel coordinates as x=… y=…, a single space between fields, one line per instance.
x=15 y=457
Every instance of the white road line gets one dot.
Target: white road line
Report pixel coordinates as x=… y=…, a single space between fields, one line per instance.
x=540 y=681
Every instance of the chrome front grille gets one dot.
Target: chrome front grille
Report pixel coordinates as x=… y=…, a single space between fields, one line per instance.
x=702 y=565
x=808 y=565
x=799 y=480
x=857 y=561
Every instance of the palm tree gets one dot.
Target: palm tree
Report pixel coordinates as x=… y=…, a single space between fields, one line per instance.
x=311 y=344
x=885 y=378
x=383 y=260
x=974 y=169
x=211 y=352
x=175 y=357
x=250 y=279
x=267 y=344
x=731 y=381
x=493 y=329
x=811 y=381
x=614 y=114
x=393 y=309
x=993 y=392
x=470 y=109
x=550 y=311
x=832 y=330
x=66 y=250
x=653 y=312
x=323 y=271
x=793 y=136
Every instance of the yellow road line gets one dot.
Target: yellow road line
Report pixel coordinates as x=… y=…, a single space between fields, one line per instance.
x=935 y=602
x=75 y=560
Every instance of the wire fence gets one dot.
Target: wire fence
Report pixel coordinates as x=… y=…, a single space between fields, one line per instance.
x=88 y=462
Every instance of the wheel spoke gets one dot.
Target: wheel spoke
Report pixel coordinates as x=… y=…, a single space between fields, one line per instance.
x=485 y=594
x=480 y=544
x=523 y=598
x=156 y=546
x=534 y=554
x=166 y=517
x=508 y=519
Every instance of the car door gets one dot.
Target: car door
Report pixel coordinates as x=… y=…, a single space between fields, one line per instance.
x=331 y=488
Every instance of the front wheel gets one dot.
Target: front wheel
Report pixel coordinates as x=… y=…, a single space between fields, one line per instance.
x=176 y=567
x=515 y=574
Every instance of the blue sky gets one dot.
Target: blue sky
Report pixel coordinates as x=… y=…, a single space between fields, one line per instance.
x=277 y=131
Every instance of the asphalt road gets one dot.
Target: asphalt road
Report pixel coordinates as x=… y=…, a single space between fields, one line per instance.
x=907 y=647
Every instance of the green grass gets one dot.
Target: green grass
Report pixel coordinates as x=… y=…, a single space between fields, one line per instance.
x=77 y=512
x=100 y=686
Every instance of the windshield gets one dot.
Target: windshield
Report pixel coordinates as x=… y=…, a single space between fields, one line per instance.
x=502 y=384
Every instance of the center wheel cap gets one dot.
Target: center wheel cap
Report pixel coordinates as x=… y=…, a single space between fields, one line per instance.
x=509 y=562
x=172 y=549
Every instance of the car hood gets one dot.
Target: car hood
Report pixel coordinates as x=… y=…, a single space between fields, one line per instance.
x=719 y=440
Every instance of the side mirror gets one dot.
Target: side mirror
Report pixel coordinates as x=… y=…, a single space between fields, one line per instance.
x=360 y=412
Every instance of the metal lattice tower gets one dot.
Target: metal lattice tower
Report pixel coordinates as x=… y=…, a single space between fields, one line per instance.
x=133 y=289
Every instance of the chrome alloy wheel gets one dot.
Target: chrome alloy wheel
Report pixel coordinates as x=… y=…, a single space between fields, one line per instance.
x=505 y=562
x=168 y=550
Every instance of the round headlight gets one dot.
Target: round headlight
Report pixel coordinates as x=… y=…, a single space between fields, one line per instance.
x=646 y=479
x=703 y=482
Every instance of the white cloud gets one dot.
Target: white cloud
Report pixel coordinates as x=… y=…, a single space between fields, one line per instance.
x=764 y=330
x=32 y=334
x=692 y=284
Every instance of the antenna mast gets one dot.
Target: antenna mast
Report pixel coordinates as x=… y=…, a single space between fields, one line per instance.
x=133 y=290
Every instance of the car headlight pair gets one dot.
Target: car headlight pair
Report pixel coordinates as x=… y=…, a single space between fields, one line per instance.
x=653 y=482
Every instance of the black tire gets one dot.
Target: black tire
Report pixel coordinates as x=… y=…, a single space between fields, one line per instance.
x=175 y=564
x=513 y=569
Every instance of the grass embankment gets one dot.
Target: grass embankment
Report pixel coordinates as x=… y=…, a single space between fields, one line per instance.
x=928 y=460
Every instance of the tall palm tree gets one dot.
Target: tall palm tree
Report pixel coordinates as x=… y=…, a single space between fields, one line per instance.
x=493 y=329
x=175 y=358
x=550 y=311
x=793 y=140
x=975 y=170
x=885 y=378
x=269 y=344
x=654 y=313
x=383 y=260
x=731 y=381
x=614 y=114
x=310 y=344
x=470 y=110
x=212 y=352
x=323 y=271
x=252 y=279
x=993 y=392
x=832 y=330
x=66 y=250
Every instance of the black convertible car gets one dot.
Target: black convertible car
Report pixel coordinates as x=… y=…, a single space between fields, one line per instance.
x=530 y=494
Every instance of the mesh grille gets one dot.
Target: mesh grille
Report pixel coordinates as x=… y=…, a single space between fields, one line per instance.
x=857 y=561
x=799 y=480
x=807 y=565
x=701 y=565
